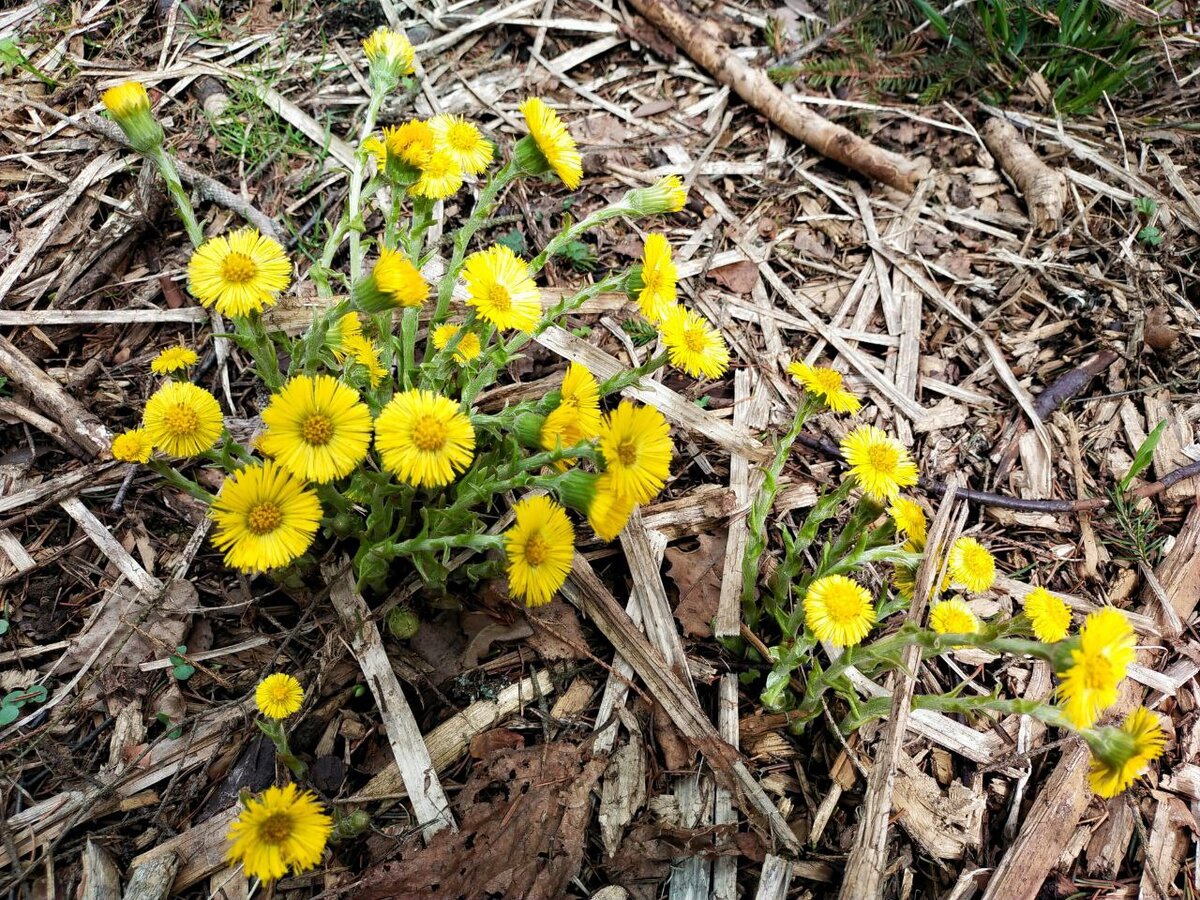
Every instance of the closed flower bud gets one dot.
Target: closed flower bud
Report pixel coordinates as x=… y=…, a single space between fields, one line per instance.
x=129 y=105
x=389 y=55
x=665 y=195
x=577 y=489
x=403 y=623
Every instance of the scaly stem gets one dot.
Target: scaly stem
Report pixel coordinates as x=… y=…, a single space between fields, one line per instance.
x=564 y=238
x=354 y=203
x=619 y=382
x=166 y=167
x=181 y=481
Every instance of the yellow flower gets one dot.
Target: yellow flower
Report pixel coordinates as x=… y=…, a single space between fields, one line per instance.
x=540 y=547
x=366 y=354
x=1050 y=617
x=133 y=446
x=440 y=177
x=468 y=345
x=665 y=195
x=904 y=578
x=953 y=617
x=278 y=696
x=403 y=148
x=609 y=511
x=317 y=428
x=826 y=384
x=636 y=443
x=1105 y=652
x=264 y=518
x=284 y=829
x=971 y=565
x=553 y=143
x=182 y=419
x=1121 y=755
x=839 y=610
x=240 y=273
x=463 y=141
x=909 y=519
x=394 y=282
x=501 y=290
x=657 y=296
x=577 y=416
x=693 y=344
x=424 y=439
x=389 y=55
x=345 y=329
x=881 y=465
x=129 y=105
x=172 y=359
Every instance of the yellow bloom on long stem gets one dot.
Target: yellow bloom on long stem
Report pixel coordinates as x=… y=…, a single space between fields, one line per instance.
x=880 y=464
x=971 y=565
x=636 y=444
x=463 y=141
x=393 y=283
x=1121 y=755
x=389 y=55
x=264 y=518
x=577 y=416
x=345 y=329
x=839 y=610
x=610 y=511
x=1105 y=652
x=553 y=142
x=317 y=428
x=540 y=547
x=666 y=195
x=953 y=616
x=909 y=519
x=693 y=345
x=182 y=419
x=827 y=385
x=468 y=345
x=284 y=829
x=441 y=176
x=1050 y=617
x=133 y=446
x=403 y=148
x=172 y=359
x=279 y=696
x=501 y=290
x=658 y=293
x=239 y=273
x=129 y=105
x=424 y=439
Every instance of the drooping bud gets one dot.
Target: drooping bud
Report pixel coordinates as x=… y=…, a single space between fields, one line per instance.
x=390 y=56
x=665 y=195
x=129 y=105
x=393 y=283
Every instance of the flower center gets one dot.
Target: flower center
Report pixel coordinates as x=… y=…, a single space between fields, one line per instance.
x=627 y=453
x=882 y=458
x=652 y=279
x=238 y=268
x=263 y=518
x=499 y=297
x=1097 y=672
x=429 y=433
x=694 y=340
x=276 y=828
x=842 y=608
x=317 y=430
x=536 y=550
x=461 y=138
x=826 y=382
x=181 y=420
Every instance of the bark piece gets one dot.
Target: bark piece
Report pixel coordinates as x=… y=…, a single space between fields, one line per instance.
x=1044 y=189
x=153 y=880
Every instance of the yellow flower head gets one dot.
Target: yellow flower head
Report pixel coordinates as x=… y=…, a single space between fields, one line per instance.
x=636 y=443
x=540 y=547
x=345 y=329
x=366 y=354
x=657 y=296
x=264 y=518
x=610 y=511
x=577 y=416
x=693 y=344
x=172 y=359
x=470 y=150
x=424 y=439
x=285 y=829
x=468 y=345
x=403 y=149
x=501 y=289
x=971 y=565
x=182 y=419
x=1105 y=652
x=389 y=55
x=665 y=195
x=953 y=616
x=279 y=696
x=826 y=384
x=1050 y=617
x=1121 y=755
x=239 y=273
x=881 y=464
x=909 y=519
x=317 y=428
x=394 y=283
x=133 y=446
x=440 y=177
x=129 y=105
x=554 y=148
x=839 y=610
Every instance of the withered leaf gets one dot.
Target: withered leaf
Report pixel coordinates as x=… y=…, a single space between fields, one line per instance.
x=738 y=277
x=697 y=574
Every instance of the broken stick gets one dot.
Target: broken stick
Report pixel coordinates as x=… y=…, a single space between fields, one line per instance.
x=1044 y=188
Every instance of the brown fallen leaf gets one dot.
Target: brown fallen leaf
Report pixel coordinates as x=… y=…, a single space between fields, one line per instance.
x=697 y=574
x=556 y=632
x=488 y=743
x=738 y=277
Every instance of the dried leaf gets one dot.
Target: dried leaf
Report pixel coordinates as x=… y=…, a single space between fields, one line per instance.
x=738 y=277
x=556 y=632
x=487 y=744
x=698 y=576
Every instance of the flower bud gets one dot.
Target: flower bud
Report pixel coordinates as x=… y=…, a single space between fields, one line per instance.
x=634 y=282
x=129 y=105
x=528 y=430
x=394 y=282
x=403 y=623
x=390 y=56
x=665 y=195
x=577 y=489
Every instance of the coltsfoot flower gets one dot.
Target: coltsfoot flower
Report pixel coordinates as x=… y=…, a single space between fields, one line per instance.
x=1049 y=616
x=953 y=616
x=577 y=416
x=366 y=353
x=129 y=105
x=549 y=146
x=636 y=444
x=658 y=293
x=540 y=547
x=440 y=176
x=284 y=829
x=839 y=610
x=279 y=696
x=971 y=565
x=665 y=195
x=133 y=446
x=1121 y=755
x=468 y=346
x=693 y=345
x=501 y=290
x=173 y=359
x=393 y=283
x=1098 y=663
x=182 y=419
x=909 y=519
x=471 y=151
x=827 y=385
x=239 y=273
x=424 y=439
x=265 y=518
x=317 y=428
x=389 y=56
x=880 y=464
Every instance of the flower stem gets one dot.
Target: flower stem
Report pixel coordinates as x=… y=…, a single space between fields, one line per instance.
x=354 y=203
x=183 y=203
